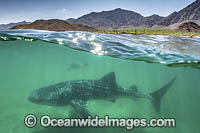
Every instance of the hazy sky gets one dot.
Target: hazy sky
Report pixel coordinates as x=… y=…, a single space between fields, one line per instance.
x=29 y=10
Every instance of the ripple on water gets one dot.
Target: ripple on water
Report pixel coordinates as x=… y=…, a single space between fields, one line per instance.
x=169 y=50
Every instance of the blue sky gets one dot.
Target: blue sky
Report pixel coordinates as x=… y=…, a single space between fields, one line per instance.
x=30 y=10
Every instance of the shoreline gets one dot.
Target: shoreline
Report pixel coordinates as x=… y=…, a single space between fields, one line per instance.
x=166 y=32
x=152 y=32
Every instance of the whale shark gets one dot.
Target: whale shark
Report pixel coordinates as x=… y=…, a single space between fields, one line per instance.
x=77 y=92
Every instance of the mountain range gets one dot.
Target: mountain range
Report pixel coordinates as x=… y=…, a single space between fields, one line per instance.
x=117 y=18
x=120 y=18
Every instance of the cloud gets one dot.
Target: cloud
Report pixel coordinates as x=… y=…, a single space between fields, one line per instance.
x=63 y=11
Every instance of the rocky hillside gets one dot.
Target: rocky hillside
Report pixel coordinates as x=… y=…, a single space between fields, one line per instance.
x=53 y=25
x=191 y=12
x=145 y=21
x=188 y=27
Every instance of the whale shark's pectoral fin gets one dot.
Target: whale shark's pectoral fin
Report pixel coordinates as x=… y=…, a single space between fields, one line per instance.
x=81 y=107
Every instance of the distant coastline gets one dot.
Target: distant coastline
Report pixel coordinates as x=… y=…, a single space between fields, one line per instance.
x=187 y=29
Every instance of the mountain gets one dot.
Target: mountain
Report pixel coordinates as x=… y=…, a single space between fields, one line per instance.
x=145 y=21
x=53 y=25
x=188 y=27
x=119 y=18
x=108 y=19
x=8 y=26
x=191 y=12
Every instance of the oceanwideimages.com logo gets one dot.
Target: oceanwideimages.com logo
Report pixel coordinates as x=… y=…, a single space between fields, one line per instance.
x=128 y=123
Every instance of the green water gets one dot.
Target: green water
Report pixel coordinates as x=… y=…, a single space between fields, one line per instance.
x=27 y=66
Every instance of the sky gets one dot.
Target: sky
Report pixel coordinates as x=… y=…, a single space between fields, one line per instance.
x=30 y=10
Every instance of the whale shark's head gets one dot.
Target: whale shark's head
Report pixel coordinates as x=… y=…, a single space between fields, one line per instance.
x=52 y=96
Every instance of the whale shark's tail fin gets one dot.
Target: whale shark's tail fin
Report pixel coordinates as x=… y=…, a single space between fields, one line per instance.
x=156 y=96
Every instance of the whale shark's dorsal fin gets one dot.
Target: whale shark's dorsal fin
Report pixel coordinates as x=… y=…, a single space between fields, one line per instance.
x=109 y=80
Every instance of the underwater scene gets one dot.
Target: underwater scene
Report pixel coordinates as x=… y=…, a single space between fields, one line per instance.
x=147 y=65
